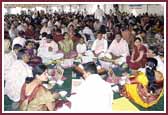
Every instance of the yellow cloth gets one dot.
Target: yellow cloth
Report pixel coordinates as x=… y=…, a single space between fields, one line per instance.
x=132 y=91
x=123 y=104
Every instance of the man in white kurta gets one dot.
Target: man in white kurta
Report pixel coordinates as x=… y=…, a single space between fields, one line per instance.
x=100 y=45
x=99 y=13
x=94 y=94
x=9 y=59
x=48 y=50
x=15 y=78
x=119 y=47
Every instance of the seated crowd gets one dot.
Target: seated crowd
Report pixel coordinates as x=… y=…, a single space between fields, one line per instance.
x=32 y=41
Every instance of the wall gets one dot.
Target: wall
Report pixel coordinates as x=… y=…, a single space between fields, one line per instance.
x=135 y=9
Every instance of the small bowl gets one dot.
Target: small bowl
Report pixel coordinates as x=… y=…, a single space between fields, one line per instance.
x=63 y=93
x=60 y=82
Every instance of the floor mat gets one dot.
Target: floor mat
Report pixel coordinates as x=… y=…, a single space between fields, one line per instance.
x=123 y=105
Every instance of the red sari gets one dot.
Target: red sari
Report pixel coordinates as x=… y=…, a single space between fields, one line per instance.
x=142 y=62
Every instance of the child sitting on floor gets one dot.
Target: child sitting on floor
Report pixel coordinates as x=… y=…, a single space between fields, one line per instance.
x=66 y=46
x=34 y=59
x=81 y=47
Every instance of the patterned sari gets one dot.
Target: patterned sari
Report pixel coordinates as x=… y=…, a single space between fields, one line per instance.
x=37 y=100
x=137 y=91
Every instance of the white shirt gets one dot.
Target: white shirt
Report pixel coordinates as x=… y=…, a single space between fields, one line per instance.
x=21 y=27
x=119 y=48
x=88 y=31
x=58 y=24
x=45 y=54
x=45 y=29
x=99 y=14
x=44 y=46
x=13 y=33
x=99 y=46
x=9 y=59
x=81 y=48
x=15 y=79
x=93 y=95
x=19 y=40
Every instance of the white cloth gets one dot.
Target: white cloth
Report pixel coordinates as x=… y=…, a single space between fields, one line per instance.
x=99 y=46
x=21 y=27
x=63 y=30
x=9 y=59
x=96 y=26
x=45 y=29
x=45 y=45
x=93 y=95
x=15 y=79
x=81 y=48
x=19 y=40
x=45 y=54
x=88 y=31
x=50 y=24
x=99 y=14
x=13 y=33
x=160 y=66
x=44 y=21
x=58 y=24
x=119 y=49
x=86 y=59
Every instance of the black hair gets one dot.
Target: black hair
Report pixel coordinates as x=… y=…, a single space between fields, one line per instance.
x=49 y=36
x=17 y=46
x=37 y=70
x=81 y=37
x=142 y=31
x=21 y=33
x=118 y=33
x=137 y=38
x=90 y=67
x=44 y=34
x=27 y=42
x=99 y=32
x=154 y=61
x=103 y=29
x=58 y=30
x=21 y=53
x=150 y=73
x=65 y=33
x=154 y=49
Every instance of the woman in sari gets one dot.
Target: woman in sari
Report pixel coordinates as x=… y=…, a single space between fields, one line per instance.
x=145 y=89
x=34 y=96
x=138 y=57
